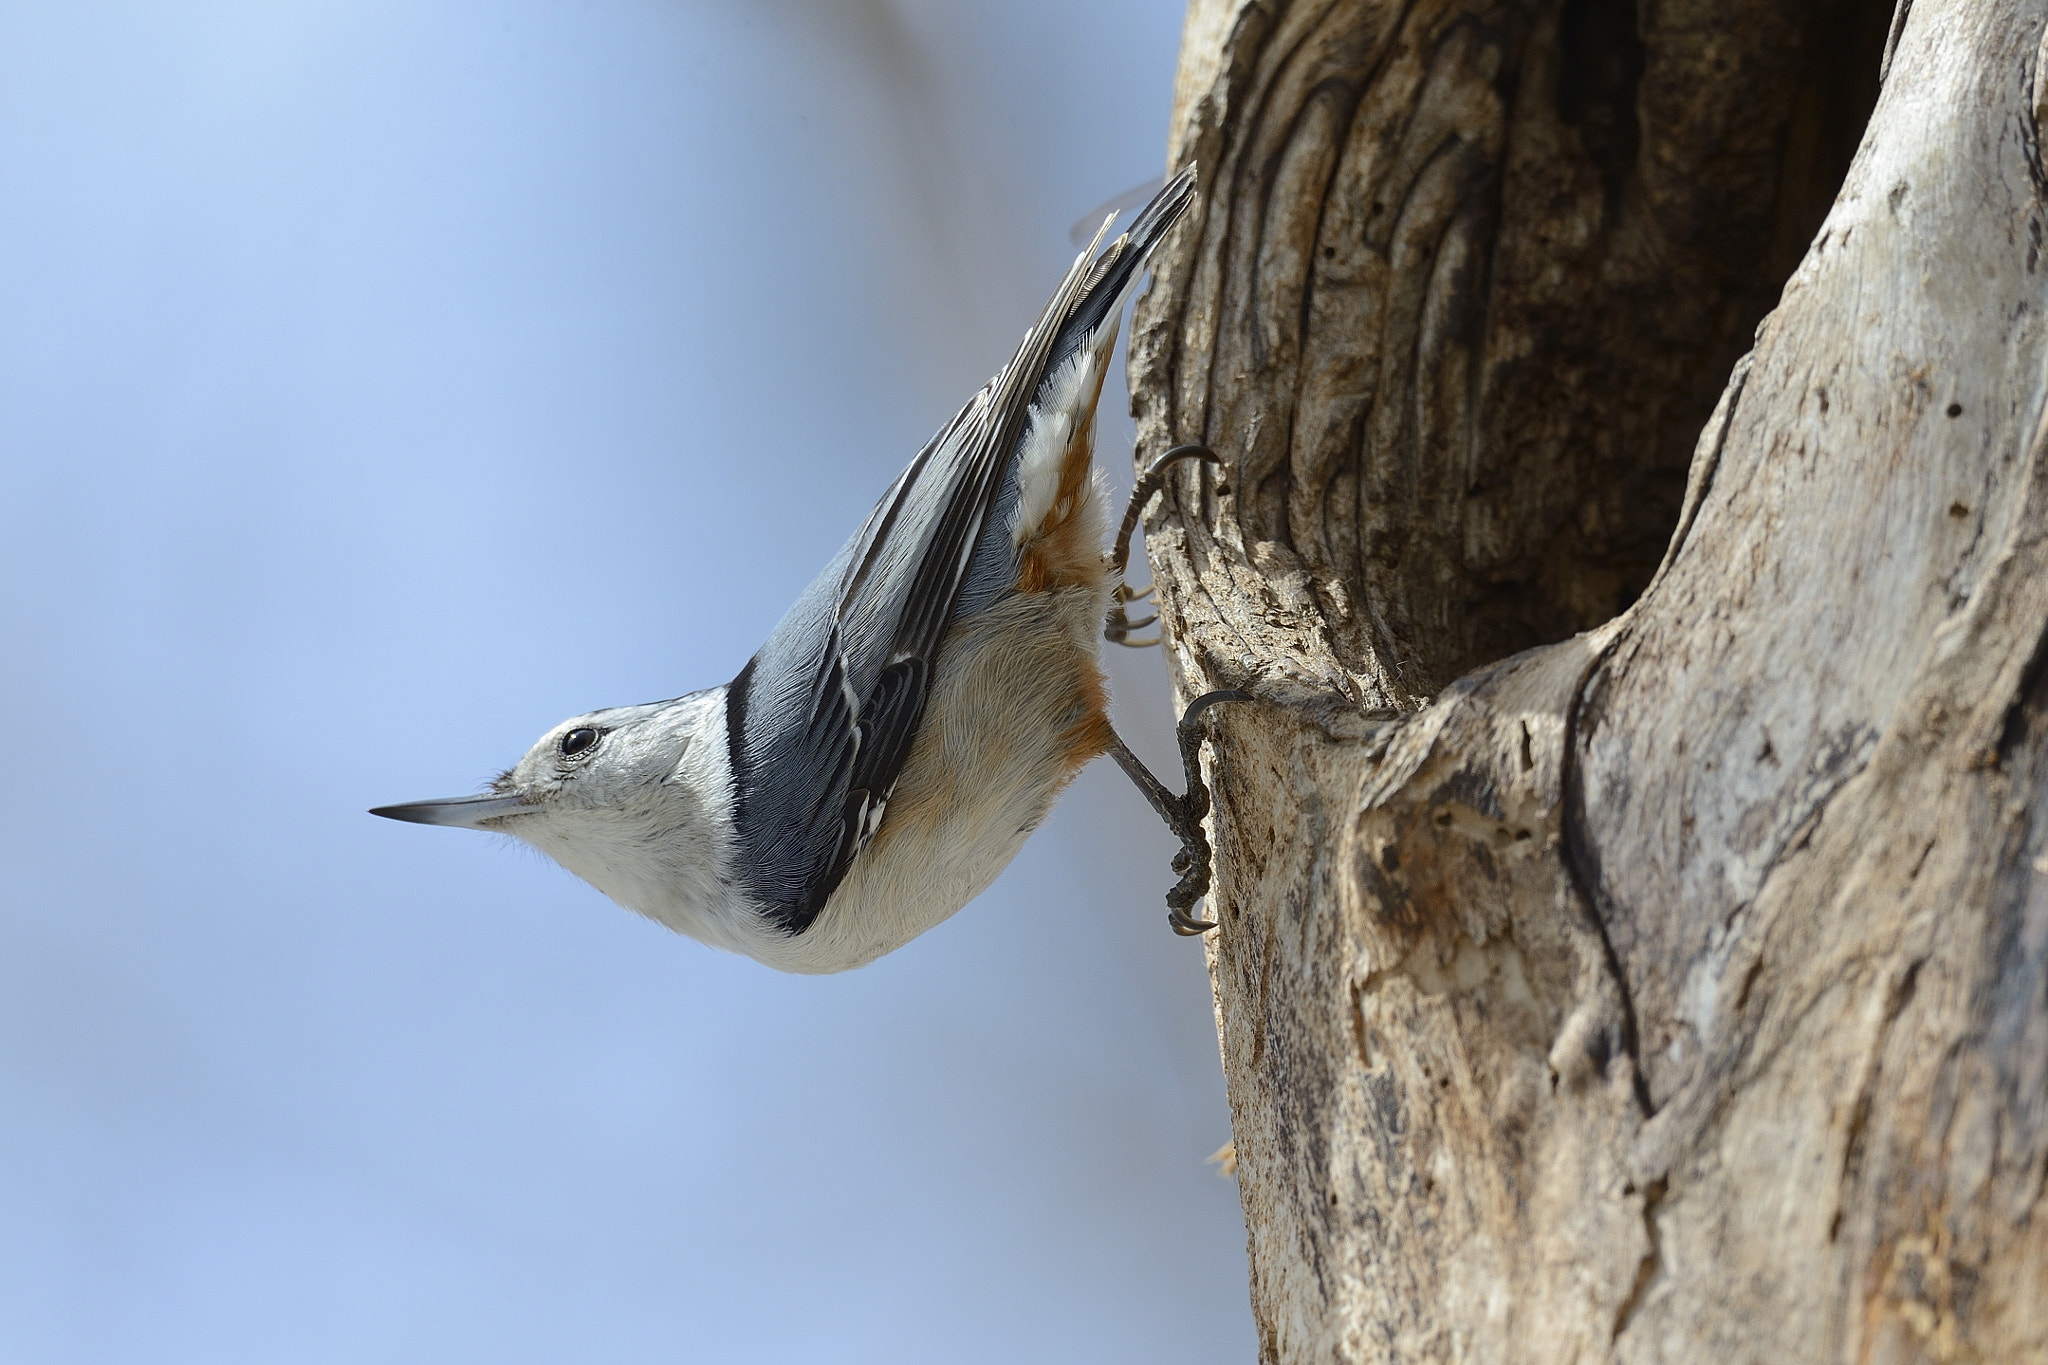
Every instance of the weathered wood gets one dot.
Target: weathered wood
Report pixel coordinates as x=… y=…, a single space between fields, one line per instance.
x=1679 y=990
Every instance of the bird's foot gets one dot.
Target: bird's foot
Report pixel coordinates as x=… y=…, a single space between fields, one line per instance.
x=1118 y=625
x=1183 y=814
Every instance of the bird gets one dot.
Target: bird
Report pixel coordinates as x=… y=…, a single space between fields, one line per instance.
x=916 y=713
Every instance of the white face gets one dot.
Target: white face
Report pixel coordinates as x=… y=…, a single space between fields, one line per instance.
x=635 y=800
x=604 y=760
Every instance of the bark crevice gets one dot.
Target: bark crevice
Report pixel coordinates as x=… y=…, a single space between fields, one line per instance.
x=1581 y=861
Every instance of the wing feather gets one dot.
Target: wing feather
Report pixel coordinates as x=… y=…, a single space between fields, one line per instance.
x=821 y=720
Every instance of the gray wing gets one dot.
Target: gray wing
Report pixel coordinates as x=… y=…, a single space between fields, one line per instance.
x=821 y=719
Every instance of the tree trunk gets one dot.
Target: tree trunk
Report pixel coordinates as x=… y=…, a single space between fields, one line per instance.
x=1676 y=989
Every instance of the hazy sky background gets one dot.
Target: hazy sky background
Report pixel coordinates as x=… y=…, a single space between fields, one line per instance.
x=381 y=383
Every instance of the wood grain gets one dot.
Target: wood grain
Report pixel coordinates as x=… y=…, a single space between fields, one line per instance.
x=1676 y=989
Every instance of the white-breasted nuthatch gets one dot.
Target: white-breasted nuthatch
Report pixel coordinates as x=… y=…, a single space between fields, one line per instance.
x=911 y=720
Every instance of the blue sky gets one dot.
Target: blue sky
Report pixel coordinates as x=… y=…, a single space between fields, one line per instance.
x=381 y=383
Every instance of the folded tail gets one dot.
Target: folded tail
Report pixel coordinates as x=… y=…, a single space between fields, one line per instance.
x=1122 y=263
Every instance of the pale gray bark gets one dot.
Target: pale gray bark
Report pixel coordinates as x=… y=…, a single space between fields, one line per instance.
x=1677 y=990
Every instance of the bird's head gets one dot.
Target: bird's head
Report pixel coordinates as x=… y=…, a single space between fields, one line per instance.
x=633 y=799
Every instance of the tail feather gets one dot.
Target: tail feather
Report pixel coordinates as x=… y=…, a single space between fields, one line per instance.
x=1054 y=521
x=1118 y=268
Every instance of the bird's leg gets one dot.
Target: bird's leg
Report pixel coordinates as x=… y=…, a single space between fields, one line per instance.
x=1183 y=814
x=1117 y=627
x=1149 y=483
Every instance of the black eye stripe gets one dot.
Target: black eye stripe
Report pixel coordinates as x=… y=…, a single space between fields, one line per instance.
x=579 y=740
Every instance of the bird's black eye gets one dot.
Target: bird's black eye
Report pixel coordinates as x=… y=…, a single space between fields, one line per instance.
x=578 y=741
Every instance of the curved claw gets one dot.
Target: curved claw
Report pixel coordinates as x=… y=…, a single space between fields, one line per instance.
x=1150 y=482
x=1118 y=625
x=1117 y=628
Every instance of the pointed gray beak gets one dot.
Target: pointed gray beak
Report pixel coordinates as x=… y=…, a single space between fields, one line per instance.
x=461 y=812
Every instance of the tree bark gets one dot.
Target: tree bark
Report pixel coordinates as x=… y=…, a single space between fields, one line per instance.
x=1676 y=989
